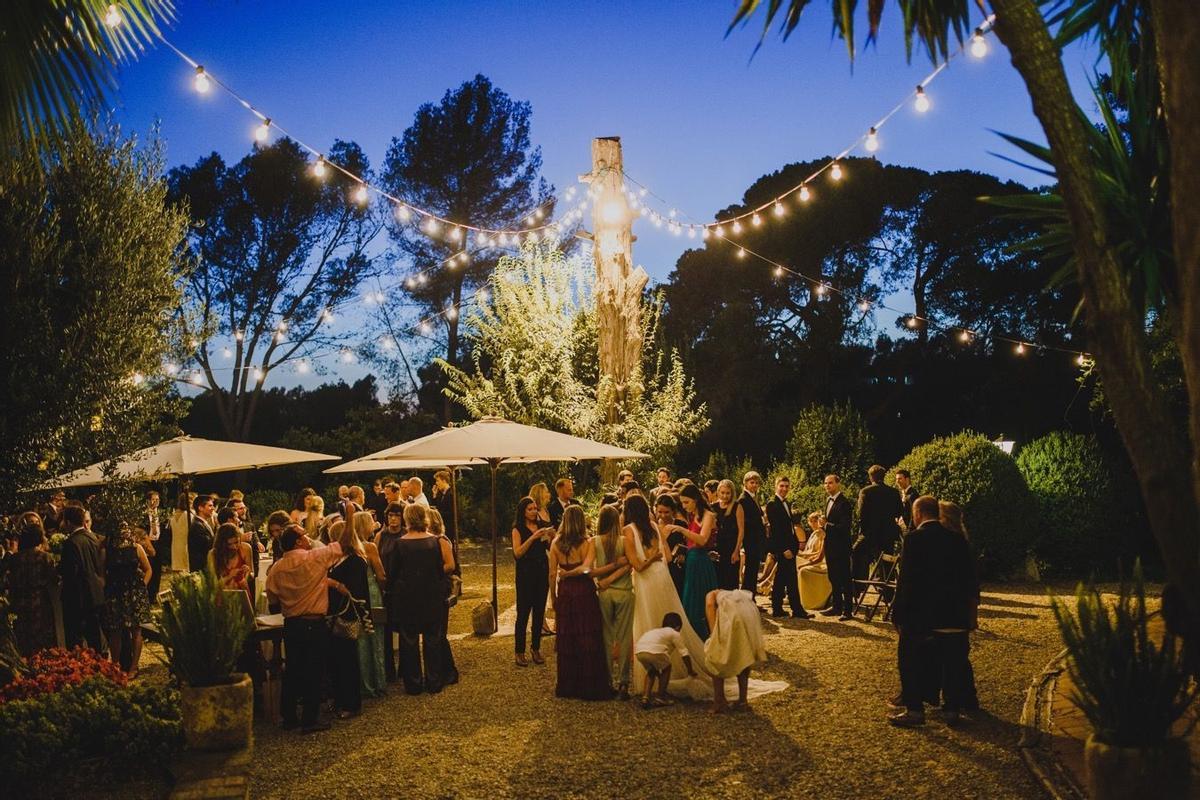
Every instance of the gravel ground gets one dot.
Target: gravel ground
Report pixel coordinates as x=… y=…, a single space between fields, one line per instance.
x=502 y=733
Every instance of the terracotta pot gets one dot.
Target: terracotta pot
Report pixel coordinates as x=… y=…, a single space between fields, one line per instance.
x=218 y=717
x=1129 y=773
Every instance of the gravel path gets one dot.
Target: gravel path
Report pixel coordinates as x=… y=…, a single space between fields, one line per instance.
x=501 y=732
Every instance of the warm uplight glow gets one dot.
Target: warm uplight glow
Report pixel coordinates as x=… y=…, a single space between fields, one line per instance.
x=921 y=103
x=202 y=83
x=872 y=141
x=979 y=46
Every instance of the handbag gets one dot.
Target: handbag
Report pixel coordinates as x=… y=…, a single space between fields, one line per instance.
x=455 y=590
x=352 y=629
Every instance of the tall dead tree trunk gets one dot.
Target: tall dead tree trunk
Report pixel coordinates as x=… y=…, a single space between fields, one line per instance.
x=619 y=284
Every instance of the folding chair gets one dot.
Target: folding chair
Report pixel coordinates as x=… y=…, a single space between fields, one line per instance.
x=879 y=586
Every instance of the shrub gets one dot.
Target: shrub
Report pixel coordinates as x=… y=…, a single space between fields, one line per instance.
x=1079 y=520
x=829 y=439
x=721 y=466
x=125 y=727
x=56 y=668
x=970 y=470
x=263 y=501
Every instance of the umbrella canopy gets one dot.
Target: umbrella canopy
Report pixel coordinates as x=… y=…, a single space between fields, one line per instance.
x=369 y=464
x=184 y=455
x=493 y=439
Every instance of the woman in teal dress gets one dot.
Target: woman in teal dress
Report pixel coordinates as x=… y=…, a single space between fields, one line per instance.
x=699 y=575
x=370 y=648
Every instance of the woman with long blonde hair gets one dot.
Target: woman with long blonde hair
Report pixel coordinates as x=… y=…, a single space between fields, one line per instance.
x=540 y=493
x=730 y=524
x=314 y=518
x=351 y=570
x=370 y=647
x=437 y=526
x=614 y=583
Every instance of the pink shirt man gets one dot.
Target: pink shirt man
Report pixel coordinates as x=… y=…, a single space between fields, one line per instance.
x=298 y=580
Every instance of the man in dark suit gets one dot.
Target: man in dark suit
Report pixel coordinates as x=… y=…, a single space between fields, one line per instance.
x=878 y=509
x=908 y=493
x=564 y=490
x=839 y=516
x=754 y=531
x=200 y=531
x=933 y=612
x=783 y=545
x=82 y=580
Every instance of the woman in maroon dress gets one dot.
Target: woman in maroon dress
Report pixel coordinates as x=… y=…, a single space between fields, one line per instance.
x=582 y=667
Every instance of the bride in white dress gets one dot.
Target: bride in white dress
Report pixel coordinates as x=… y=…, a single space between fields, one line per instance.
x=654 y=596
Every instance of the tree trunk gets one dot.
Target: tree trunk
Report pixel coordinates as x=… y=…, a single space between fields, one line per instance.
x=920 y=309
x=1115 y=324
x=618 y=285
x=1177 y=37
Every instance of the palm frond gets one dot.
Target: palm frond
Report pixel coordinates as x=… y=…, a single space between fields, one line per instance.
x=59 y=57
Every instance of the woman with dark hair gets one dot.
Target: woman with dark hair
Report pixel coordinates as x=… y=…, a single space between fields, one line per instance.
x=230 y=559
x=654 y=594
x=437 y=526
x=666 y=516
x=530 y=544
x=581 y=669
x=126 y=604
x=30 y=579
x=700 y=577
x=350 y=571
x=611 y=571
x=710 y=492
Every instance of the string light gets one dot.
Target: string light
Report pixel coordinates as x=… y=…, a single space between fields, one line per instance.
x=455 y=234
x=756 y=221
x=1020 y=348
x=835 y=172
x=778 y=209
x=302 y=366
x=258 y=375
x=361 y=194
x=737 y=226
x=921 y=102
x=327 y=316
x=864 y=305
x=741 y=252
x=238 y=335
x=805 y=194
x=912 y=322
x=779 y=272
x=202 y=82
x=820 y=290
x=979 y=45
x=964 y=337
x=318 y=168
x=402 y=213
x=138 y=378
x=263 y=131
x=872 y=141
x=197 y=378
x=112 y=18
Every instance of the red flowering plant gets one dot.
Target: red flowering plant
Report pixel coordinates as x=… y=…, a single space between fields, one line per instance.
x=52 y=669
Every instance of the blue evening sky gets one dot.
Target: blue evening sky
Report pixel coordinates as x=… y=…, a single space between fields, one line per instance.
x=699 y=118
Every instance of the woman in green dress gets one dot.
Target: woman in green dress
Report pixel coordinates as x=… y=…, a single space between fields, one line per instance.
x=370 y=647
x=615 y=584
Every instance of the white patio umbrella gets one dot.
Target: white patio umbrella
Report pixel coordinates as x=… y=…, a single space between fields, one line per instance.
x=494 y=441
x=184 y=456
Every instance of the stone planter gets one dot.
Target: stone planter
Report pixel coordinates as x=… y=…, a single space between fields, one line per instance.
x=218 y=717
x=1128 y=773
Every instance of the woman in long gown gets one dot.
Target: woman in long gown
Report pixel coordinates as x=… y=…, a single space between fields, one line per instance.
x=699 y=575
x=581 y=668
x=371 y=671
x=615 y=587
x=654 y=593
x=437 y=526
x=729 y=522
x=815 y=587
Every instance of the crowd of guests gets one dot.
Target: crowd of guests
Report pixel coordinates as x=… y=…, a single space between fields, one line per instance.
x=365 y=587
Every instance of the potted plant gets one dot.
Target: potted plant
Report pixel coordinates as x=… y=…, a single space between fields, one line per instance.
x=202 y=635
x=1132 y=690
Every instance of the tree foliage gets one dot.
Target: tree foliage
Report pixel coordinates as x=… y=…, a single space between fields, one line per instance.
x=533 y=350
x=277 y=250
x=830 y=439
x=93 y=255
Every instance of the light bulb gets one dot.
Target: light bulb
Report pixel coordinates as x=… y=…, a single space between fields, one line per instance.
x=112 y=18
x=279 y=337
x=805 y=194
x=741 y=252
x=197 y=378
x=202 y=83
x=425 y=327
x=302 y=367
x=282 y=325
x=455 y=233
x=1081 y=360
x=737 y=226
x=658 y=220
x=719 y=231
x=529 y=221
x=912 y=322
x=979 y=46
x=779 y=272
x=691 y=232
x=238 y=335
x=361 y=194
x=645 y=211
x=1020 y=348
x=431 y=226
x=835 y=172
x=263 y=131
x=864 y=305
x=820 y=290
x=258 y=375
x=451 y=312
x=872 y=142
x=402 y=213
x=327 y=315
x=318 y=169
x=778 y=209
x=921 y=103
x=138 y=378
x=756 y=221
x=642 y=192
x=964 y=337
x=704 y=233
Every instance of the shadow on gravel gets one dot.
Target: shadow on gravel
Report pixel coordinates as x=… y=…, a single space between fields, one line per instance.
x=998 y=600
x=991 y=613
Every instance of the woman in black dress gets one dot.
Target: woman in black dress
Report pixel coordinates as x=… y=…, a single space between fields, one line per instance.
x=126 y=604
x=437 y=526
x=531 y=546
x=343 y=653
x=416 y=570
x=727 y=537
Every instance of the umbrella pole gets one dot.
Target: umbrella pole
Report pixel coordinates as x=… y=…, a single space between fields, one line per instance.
x=454 y=507
x=494 y=464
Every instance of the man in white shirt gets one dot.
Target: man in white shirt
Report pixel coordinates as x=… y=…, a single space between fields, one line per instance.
x=416 y=491
x=654 y=650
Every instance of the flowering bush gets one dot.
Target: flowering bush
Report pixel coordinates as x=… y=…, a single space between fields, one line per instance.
x=56 y=668
x=120 y=729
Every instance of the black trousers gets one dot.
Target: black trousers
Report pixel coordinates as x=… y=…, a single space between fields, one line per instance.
x=343 y=669
x=916 y=675
x=390 y=629
x=787 y=582
x=752 y=556
x=422 y=645
x=82 y=626
x=533 y=585
x=837 y=559
x=950 y=661
x=306 y=646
